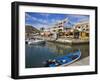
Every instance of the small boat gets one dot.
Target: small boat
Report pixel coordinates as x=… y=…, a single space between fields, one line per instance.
x=64 y=60
x=35 y=41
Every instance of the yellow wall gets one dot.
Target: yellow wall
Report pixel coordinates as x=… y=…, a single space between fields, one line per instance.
x=83 y=35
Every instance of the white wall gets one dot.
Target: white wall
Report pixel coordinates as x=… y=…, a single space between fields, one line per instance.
x=5 y=38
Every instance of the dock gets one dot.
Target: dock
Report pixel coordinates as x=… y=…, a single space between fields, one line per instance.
x=65 y=40
x=68 y=41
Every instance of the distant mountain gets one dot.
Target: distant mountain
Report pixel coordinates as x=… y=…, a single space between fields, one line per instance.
x=30 y=29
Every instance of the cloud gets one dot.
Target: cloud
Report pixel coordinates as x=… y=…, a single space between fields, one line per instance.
x=42 y=21
x=75 y=18
x=39 y=20
x=45 y=14
x=54 y=21
x=48 y=20
x=29 y=17
x=38 y=26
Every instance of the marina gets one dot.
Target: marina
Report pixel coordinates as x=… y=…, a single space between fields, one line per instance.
x=36 y=55
x=54 y=44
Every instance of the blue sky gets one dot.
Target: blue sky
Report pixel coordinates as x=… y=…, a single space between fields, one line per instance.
x=47 y=20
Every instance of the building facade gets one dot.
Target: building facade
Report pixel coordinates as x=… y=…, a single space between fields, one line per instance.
x=83 y=29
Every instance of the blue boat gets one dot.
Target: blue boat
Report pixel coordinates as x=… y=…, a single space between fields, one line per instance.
x=64 y=60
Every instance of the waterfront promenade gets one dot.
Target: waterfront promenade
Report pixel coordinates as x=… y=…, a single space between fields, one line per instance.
x=67 y=40
x=84 y=61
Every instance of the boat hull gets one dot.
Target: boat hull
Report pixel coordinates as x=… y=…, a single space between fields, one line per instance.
x=65 y=60
x=35 y=42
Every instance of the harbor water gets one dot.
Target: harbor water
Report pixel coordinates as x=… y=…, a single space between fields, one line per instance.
x=37 y=55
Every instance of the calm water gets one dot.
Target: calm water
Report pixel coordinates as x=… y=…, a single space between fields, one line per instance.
x=36 y=55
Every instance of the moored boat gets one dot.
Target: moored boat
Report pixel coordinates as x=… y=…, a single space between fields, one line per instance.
x=35 y=41
x=64 y=60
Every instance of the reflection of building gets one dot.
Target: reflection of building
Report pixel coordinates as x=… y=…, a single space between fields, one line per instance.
x=59 y=49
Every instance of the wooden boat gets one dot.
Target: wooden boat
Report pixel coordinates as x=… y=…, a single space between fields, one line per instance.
x=64 y=60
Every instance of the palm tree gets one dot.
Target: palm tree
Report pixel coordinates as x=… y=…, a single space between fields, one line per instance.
x=42 y=28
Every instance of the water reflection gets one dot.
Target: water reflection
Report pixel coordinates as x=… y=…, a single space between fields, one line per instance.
x=37 y=54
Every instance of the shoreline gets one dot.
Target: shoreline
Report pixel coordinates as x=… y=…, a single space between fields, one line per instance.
x=68 y=41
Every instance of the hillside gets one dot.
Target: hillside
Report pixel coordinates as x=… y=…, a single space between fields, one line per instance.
x=30 y=29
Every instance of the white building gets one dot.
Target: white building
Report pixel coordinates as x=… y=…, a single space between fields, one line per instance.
x=82 y=26
x=58 y=27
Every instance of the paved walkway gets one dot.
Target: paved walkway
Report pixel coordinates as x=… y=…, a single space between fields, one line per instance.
x=84 y=61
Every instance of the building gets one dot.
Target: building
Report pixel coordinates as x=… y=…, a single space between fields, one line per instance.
x=57 y=28
x=79 y=30
x=82 y=30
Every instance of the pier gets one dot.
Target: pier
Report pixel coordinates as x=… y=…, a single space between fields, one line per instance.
x=64 y=40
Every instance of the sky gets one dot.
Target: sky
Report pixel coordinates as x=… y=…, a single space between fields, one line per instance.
x=47 y=20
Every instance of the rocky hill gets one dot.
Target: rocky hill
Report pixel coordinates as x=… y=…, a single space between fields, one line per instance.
x=30 y=29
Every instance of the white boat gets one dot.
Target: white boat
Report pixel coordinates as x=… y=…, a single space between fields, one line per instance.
x=35 y=41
